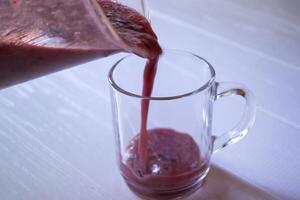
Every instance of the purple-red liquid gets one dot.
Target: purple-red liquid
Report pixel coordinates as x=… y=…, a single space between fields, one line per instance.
x=22 y=62
x=161 y=162
x=172 y=165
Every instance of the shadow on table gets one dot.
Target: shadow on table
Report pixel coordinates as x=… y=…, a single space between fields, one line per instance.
x=222 y=185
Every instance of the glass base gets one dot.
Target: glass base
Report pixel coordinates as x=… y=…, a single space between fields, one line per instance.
x=174 y=194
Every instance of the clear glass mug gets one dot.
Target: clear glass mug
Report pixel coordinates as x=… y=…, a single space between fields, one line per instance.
x=180 y=139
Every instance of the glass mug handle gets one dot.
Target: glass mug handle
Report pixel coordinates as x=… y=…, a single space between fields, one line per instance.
x=247 y=120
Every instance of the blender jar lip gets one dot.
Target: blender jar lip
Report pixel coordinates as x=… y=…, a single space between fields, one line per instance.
x=203 y=87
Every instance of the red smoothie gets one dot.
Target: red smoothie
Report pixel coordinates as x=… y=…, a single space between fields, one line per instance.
x=159 y=161
x=22 y=62
x=172 y=165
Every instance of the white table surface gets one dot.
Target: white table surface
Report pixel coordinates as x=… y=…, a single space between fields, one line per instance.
x=56 y=137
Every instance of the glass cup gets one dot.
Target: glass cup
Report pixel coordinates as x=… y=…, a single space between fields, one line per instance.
x=179 y=128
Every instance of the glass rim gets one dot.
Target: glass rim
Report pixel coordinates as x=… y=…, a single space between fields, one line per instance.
x=201 y=88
